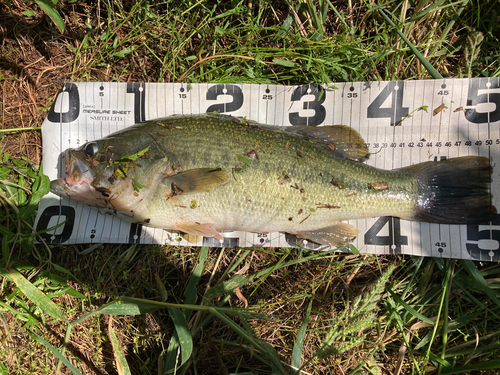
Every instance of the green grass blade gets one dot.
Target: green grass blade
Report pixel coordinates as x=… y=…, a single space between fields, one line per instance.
x=236 y=281
x=120 y=360
x=20 y=129
x=57 y=353
x=267 y=350
x=283 y=62
x=354 y=250
x=3 y=369
x=122 y=307
x=191 y=292
x=299 y=342
x=410 y=309
x=478 y=303
x=446 y=282
x=183 y=334
x=34 y=294
x=489 y=365
x=433 y=72
x=49 y=8
x=440 y=361
x=482 y=284
x=41 y=189
x=170 y=362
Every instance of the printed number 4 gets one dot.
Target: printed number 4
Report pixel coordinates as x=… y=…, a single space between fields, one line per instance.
x=396 y=112
x=394 y=240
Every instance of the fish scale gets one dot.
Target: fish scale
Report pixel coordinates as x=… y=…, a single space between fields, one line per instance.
x=209 y=173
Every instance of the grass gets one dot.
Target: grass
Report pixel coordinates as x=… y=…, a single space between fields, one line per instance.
x=151 y=309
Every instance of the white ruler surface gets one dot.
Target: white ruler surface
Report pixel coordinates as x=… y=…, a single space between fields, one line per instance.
x=402 y=123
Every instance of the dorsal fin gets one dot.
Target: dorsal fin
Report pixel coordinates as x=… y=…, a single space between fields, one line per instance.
x=340 y=139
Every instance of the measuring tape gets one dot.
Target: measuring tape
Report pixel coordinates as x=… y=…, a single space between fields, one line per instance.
x=402 y=123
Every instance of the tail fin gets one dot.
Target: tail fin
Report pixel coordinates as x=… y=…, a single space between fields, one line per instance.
x=454 y=191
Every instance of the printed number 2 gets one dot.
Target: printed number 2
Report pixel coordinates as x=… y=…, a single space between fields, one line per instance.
x=221 y=89
x=396 y=112
x=394 y=240
x=474 y=99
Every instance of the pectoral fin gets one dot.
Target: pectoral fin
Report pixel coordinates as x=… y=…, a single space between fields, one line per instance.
x=340 y=139
x=337 y=235
x=199 y=229
x=196 y=180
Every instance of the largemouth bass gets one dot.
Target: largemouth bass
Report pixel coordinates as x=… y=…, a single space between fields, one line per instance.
x=207 y=173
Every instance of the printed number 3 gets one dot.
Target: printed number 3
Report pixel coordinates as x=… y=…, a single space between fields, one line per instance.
x=316 y=105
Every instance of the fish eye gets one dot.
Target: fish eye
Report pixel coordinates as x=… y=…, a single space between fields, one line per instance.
x=91 y=149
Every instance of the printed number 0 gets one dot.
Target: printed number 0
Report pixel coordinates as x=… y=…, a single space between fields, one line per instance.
x=73 y=112
x=53 y=211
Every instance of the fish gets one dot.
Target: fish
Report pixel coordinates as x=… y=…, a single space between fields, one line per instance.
x=204 y=174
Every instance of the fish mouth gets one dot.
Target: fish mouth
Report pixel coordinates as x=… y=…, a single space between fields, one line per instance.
x=77 y=182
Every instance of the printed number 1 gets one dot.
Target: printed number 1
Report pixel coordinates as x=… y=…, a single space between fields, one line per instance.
x=138 y=89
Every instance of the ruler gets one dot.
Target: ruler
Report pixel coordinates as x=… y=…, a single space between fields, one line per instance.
x=402 y=123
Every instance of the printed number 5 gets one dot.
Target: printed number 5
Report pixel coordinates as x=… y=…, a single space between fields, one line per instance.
x=491 y=96
x=483 y=241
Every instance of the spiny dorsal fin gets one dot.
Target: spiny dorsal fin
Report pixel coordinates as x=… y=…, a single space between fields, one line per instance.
x=340 y=139
x=196 y=180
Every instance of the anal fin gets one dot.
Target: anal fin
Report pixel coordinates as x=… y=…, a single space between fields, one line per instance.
x=337 y=235
x=200 y=229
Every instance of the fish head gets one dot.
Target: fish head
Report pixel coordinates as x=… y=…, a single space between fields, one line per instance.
x=99 y=172
x=85 y=176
